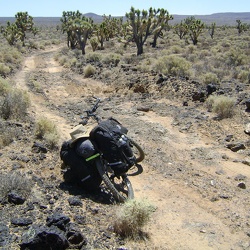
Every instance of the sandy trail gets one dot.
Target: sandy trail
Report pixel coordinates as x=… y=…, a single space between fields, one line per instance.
x=183 y=219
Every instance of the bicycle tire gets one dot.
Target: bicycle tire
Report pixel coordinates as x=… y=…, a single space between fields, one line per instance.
x=111 y=185
x=141 y=155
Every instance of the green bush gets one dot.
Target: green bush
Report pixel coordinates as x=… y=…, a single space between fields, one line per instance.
x=223 y=106
x=174 y=65
x=131 y=217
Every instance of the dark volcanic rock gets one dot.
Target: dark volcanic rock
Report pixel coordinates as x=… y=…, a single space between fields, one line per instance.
x=14 y=197
x=21 y=221
x=4 y=235
x=75 y=236
x=58 y=220
x=75 y=201
x=42 y=237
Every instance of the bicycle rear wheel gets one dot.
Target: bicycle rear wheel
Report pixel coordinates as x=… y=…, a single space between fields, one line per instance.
x=137 y=151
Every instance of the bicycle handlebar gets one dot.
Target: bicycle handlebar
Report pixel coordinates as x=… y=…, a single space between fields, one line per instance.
x=94 y=107
x=90 y=112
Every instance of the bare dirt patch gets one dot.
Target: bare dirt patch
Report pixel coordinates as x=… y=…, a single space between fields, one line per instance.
x=189 y=174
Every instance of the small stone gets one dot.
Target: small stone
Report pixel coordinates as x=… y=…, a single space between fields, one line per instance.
x=240 y=177
x=15 y=198
x=21 y=221
x=75 y=201
x=247 y=129
x=242 y=185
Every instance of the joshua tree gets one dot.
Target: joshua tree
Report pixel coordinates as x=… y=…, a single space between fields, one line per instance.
x=83 y=28
x=181 y=29
x=144 y=23
x=17 y=30
x=140 y=22
x=78 y=28
x=241 y=26
x=101 y=32
x=160 y=22
x=67 y=20
x=211 y=30
x=195 y=27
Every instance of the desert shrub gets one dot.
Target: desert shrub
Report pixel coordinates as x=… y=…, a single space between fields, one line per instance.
x=14 y=181
x=55 y=41
x=130 y=58
x=89 y=70
x=120 y=50
x=4 y=86
x=10 y=59
x=42 y=47
x=94 y=43
x=111 y=58
x=210 y=78
x=191 y=49
x=176 y=49
x=173 y=65
x=52 y=139
x=235 y=57
x=225 y=43
x=244 y=76
x=7 y=134
x=131 y=217
x=73 y=62
x=93 y=57
x=223 y=106
x=15 y=105
x=35 y=86
x=46 y=129
x=210 y=102
x=192 y=57
x=62 y=59
x=32 y=45
x=4 y=69
x=110 y=44
x=145 y=65
x=204 y=54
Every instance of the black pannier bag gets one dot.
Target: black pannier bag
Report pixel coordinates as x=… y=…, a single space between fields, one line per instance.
x=80 y=171
x=110 y=138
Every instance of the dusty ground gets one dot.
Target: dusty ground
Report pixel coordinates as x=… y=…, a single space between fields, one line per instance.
x=189 y=175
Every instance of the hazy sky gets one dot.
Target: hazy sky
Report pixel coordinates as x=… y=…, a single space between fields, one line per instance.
x=54 y=8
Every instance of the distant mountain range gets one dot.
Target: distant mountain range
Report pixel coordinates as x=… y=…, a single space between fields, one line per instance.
x=227 y=18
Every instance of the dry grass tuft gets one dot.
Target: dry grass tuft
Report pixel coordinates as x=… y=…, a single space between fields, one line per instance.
x=46 y=129
x=89 y=70
x=15 y=105
x=14 y=181
x=131 y=217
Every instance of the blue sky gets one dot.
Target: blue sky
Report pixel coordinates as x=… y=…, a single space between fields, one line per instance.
x=54 y=8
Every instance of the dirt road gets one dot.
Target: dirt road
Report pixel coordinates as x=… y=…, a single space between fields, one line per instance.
x=188 y=176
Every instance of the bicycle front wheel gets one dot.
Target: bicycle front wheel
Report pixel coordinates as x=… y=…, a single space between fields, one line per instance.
x=120 y=187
